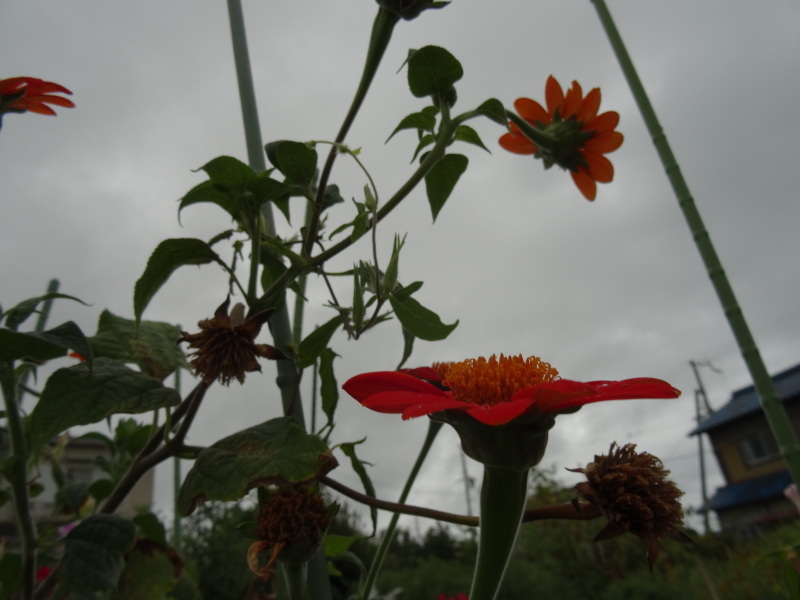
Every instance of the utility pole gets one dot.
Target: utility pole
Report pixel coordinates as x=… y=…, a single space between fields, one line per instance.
x=700 y=414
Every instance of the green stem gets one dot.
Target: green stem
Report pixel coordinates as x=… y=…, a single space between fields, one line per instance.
x=503 y=498
x=382 y=30
x=16 y=468
x=537 y=136
x=296 y=575
x=770 y=401
x=380 y=554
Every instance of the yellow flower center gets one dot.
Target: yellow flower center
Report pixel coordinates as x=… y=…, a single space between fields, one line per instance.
x=495 y=380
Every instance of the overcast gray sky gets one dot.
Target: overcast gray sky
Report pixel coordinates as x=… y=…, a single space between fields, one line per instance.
x=605 y=290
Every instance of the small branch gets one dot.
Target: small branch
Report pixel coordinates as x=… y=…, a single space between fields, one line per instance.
x=583 y=512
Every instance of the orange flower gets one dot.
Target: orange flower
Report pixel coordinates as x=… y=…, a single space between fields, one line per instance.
x=569 y=133
x=23 y=94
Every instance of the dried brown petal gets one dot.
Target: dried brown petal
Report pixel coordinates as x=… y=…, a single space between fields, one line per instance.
x=632 y=491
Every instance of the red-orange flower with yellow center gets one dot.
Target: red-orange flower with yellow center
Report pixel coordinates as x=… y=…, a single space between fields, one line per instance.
x=495 y=391
x=29 y=94
x=569 y=133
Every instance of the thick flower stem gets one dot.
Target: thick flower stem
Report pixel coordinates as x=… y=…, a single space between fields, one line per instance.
x=503 y=497
x=537 y=136
x=296 y=575
x=770 y=400
x=16 y=469
x=377 y=563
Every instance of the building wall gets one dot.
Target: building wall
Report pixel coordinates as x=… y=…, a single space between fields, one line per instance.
x=728 y=442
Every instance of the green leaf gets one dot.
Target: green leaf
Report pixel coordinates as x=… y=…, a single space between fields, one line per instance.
x=78 y=396
x=208 y=192
x=425 y=141
x=432 y=71
x=316 y=342
x=420 y=120
x=405 y=291
x=278 y=451
x=266 y=189
x=408 y=347
x=149 y=573
x=442 y=178
x=94 y=556
x=151 y=528
x=467 y=134
x=228 y=172
x=349 y=448
x=334 y=545
x=419 y=321
x=153 y=347
x=168 y=256
x=494 y=110
x=295 y=160
x=16 y=316
x=329 y=389
x=43 y=346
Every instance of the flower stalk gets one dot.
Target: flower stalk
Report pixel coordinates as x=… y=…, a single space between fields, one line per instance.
x=503 y=497
x=770 y=401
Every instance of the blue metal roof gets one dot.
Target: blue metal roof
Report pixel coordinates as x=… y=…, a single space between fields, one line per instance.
x=745 y=401
x=751 y=491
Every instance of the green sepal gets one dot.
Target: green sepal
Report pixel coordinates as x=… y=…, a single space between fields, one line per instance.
x=278 y=451
x=79 y=396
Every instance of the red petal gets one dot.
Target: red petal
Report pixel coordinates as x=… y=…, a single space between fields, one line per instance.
x=604 y=143
x=423 y=373
x=500 y=413
x=426 y=406
x=554 y=95
x=399 y=402
x=572 y=100
x=585 y=183
x=58 y=100
x=361 y=387
x=608 y=121
x=531 y=111
x=563 y=393
x=600 y=167
x=591 y=104
x=518 y=144
x=34 y=107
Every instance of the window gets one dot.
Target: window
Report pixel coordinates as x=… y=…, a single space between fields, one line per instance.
x=758 y=448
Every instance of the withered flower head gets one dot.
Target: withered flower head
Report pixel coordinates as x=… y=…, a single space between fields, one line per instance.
x=632 y=491
x=292 y=523
x=225 y=349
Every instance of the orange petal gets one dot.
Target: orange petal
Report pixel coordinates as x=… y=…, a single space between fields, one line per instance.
x=518 y=144
x=600 y=168
x=608 y=121
x=572 y=100
x=531 y=111
x=591 y=104
x=57 y=100
x=585 y=183
x=604 y=142
x=553 y=94
x=35 y=107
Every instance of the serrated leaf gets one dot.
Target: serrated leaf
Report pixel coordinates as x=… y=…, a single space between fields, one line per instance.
x=329 y=389
x=168 y=256
x=295 y=160
x=43 y=346
x=419 y=120
x=94 y=556
x=228 y=172
x=208 y=192
x=467 y=134
x=442 y=178
x=78 y=396
x=278 y=451
x=432 y=71
x=153 y=347
x=494 y=110
x=349 y=448
x=316 y=342
x=419 y=321
x=16 y=316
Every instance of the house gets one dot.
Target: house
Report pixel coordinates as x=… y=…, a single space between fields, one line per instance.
x=79 y=464
x=752 y=500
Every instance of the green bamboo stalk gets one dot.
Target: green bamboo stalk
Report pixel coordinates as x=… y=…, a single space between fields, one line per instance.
x=288 y=377
x=770 y=401
x=386 y=540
